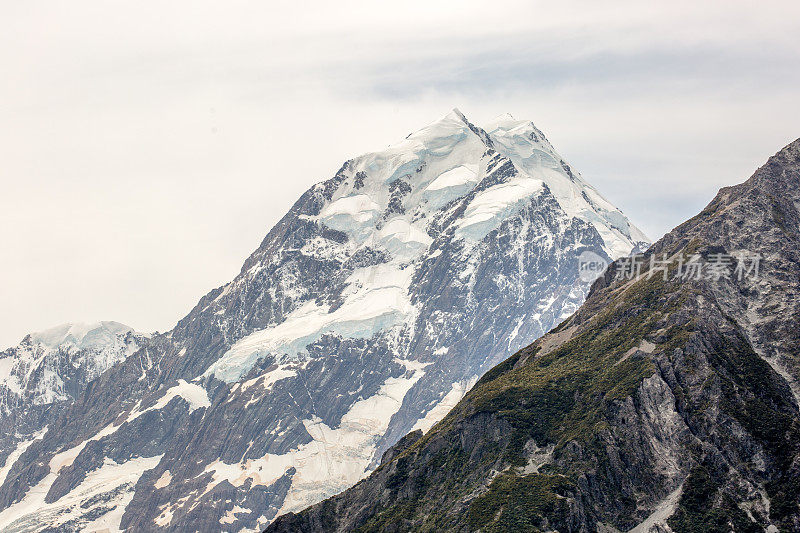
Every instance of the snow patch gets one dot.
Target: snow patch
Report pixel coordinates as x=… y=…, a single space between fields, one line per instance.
x=80 y=335
x=489 y=208
x=270 y=378
x=105 y=491
x=402 y=238
x=437 y=412
x=457 y=177
x=18 y=451
x=376 y=300
x=336 y=458
x=352 y=214
x=230 y=516
x=451 y=185
x=164 y=480
x=195 y=395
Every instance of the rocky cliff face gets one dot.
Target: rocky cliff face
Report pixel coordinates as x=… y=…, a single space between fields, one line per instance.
x=668 y=402
x=366 y=312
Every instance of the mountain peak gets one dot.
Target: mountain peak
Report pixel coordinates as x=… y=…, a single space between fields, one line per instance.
x=443 y=161
x=502 y=118
x=55 y=365
x=457 y=112
x=80 y=334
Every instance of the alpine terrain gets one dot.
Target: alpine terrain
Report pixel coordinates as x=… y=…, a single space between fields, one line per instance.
x=366 y=313
x=49 y=369
x=668 y=402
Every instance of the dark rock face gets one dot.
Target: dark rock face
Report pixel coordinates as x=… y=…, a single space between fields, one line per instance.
x=365 y=313
x=661 y=405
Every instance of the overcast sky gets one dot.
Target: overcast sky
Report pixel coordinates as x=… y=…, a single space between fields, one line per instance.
x=147 y=147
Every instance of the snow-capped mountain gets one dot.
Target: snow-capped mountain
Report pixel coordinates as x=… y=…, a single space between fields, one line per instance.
x=367 y=311
x=55 y=365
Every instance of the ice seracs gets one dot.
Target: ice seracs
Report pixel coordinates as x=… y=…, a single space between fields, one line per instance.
x=530 y=151
x=80 y=335
x=48 y=364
